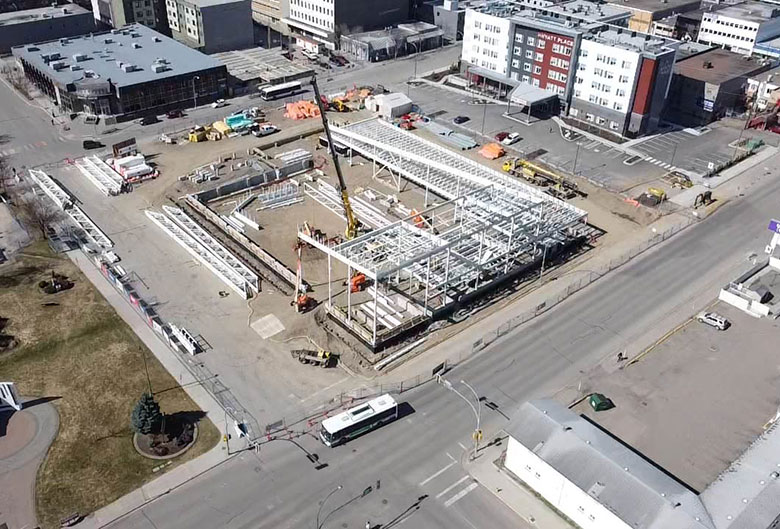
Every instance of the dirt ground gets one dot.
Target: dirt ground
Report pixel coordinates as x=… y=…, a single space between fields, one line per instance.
x=73 y=348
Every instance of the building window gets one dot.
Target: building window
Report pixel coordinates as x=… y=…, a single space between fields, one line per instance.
x=539 y=57
x=517 y=51
x=526 y=79
x=589 y=117
x=614 y=125
x=577 y=93
x=618 y=106
x=530 y=41
x=529 y=54
x=620 y=92
x=515 y=63
x=537 y=69
x=626 y=65
x=540 y=44
x=518 y=38
x=573 y=112
x=527 y=67
x=623 y=79
x=535 y=82
x=600 y=121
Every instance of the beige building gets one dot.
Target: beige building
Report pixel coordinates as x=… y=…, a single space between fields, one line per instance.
x=645 y=12
x=270 y=13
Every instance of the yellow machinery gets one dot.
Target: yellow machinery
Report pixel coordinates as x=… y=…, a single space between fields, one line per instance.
x=339 y=106
x=352 y=222
x=197 y=134
x=538 y=175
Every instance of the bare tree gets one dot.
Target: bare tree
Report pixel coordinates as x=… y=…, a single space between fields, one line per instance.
x=5 y=174
x=35 y=212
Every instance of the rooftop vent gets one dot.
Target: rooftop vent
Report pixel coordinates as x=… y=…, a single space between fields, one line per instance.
x=136 y=46
x=707 y=65
x=127 y=68
x=33 y=48
x=108 y=41
x=75 y=67
x=58 y=65
x=158 y=68
x=89 y=74
x=65 y=11
x=80 y=57
x=156 y=39
x=115 y=32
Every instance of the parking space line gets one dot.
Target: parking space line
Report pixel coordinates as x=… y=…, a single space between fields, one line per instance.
x=461 y=494
x=445 y=491
x=436 y=474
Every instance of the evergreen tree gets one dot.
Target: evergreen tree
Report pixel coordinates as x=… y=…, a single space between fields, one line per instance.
x=146 y=417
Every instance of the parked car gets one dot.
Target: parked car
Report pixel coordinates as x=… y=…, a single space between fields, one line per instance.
x=501 y=136
x=338 y=60
x=310 y=55
x=713 y=319
x=511 y=139
x=173 y=114
x=91 y=120
x=149 y=120
x=461 y=119
x=91 y=144
x=264 y=130
x=219 y=103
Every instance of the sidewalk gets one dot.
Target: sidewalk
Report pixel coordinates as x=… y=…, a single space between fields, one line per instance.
x=183 y=473
x=531 y=509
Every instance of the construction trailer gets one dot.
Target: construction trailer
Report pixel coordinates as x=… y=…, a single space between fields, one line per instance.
x=485 y=229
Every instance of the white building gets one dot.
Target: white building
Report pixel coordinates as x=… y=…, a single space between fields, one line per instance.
x=764 y=89
x=486 y=41
x=592 y=478
x=622 y=80
x=738 y=28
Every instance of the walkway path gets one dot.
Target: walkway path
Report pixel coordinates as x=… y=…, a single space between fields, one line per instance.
x=25 y=437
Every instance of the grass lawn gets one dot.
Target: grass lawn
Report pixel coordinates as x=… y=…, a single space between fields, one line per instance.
x=78 y=350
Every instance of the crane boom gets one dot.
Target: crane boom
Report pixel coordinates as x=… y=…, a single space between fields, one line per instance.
x=352 y=221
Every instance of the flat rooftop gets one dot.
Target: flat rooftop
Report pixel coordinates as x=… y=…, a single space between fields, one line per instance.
x=689 y=49
x=764 y=76
x=696 y=402
x=41 y=13
x=652 y=6
x=577 y=10
x=632 y=40
x=718 y=66
x=270 y=66
x=750 y=11
x=108 y=54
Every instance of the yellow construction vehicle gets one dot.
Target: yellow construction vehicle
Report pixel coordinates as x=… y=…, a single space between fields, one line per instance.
x=353 y=224
x=197 y=134
x=523 y=169
x=540 y=176
x=339 y=106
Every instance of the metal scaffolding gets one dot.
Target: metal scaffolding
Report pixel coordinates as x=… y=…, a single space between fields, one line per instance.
x=489 y=225
x=102 y=175
x=227 y=274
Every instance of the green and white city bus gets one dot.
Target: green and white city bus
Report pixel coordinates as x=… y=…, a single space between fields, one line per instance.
x=358 y=420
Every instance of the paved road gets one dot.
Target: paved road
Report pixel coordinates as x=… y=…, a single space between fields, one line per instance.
x=414 y=456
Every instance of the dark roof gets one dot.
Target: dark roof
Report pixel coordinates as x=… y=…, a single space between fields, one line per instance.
x=718 y=66
x=632 y=488
x=653 y=6
x=109 y=54
x=41 y=13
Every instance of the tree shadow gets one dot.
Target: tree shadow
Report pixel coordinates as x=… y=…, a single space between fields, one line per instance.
x=404 y=515
x=175 y=423
x=5 y=138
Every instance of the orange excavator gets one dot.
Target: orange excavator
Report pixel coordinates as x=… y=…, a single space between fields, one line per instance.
x=357 y=283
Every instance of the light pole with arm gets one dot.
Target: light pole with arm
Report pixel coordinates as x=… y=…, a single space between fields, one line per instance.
x=416 y=54
x=477 y=410
x=322 y=504
x=194 y=93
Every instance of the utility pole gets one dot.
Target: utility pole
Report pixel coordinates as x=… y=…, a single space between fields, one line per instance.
x=576 y=156
x=194 y=93
x=477 y=410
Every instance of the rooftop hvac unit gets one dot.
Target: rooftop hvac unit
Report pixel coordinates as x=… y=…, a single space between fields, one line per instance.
x=64 y=41
x=89 y=74
x=108 y=41
x=127 y=68
x=33 y=48
x=158 y=68
x=75 y=67
x=58 y=65
x=80 y=57
x=115 y=32
x=64 y=10
x=136 y=46
x=156 y=39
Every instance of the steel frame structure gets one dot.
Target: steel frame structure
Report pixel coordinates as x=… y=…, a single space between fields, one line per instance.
x=488 y=225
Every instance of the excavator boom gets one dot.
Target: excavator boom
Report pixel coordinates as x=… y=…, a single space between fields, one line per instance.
x=352 y=221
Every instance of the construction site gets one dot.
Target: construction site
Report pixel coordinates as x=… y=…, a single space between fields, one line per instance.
x=401 y=229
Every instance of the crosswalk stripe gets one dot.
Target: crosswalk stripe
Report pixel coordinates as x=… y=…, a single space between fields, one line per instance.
x=445 y=491
x=437 y=474
x=461 y=494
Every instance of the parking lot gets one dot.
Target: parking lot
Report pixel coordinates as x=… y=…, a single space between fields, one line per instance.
x=696 y=401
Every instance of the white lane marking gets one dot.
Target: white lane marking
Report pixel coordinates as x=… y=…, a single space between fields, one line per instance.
x=448 y=455
x=461 y=494
x=462 y=446
x=445 y=491
x=436 y=474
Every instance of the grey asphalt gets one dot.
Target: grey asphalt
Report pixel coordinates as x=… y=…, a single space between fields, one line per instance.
x=412 y=458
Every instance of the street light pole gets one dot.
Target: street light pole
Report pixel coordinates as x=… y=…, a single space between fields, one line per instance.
x=416 y=55
x=477 y=410
x=322 y=503
x=544 y=257
x=194 y=93
x=484 y=115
